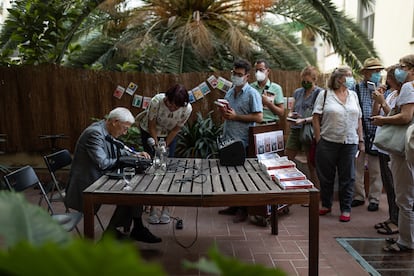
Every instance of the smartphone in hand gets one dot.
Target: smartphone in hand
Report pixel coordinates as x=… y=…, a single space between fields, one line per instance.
x=371 y=86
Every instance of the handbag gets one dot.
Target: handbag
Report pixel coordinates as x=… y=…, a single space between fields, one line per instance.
x=391 y=138
x=306 y=131
x=409 y=144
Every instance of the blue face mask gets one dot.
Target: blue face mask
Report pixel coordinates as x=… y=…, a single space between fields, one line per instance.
x=350 y=82
x=375 y=77
x=400 y=75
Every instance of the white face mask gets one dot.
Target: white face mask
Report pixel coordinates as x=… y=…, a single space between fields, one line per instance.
x=260 y=76
x=237 y=81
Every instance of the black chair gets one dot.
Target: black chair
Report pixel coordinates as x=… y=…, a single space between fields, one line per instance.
x=54 y=162
x=24 y=178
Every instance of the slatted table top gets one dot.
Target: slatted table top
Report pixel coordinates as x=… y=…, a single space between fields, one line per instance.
x=204 y=183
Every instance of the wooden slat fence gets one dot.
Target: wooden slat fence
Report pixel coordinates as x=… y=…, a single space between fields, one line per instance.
x=49 y=99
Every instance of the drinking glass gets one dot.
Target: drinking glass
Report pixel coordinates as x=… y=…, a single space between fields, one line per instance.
x=128 y=174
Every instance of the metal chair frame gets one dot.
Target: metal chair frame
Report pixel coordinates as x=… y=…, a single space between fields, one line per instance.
x=25 y=178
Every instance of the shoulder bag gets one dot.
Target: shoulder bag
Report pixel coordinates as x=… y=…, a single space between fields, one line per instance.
x=392 y=138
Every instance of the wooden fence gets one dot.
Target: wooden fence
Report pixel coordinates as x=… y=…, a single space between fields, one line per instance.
x=48 y=99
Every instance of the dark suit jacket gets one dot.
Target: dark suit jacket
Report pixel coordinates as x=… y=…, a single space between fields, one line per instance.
x=92 y=158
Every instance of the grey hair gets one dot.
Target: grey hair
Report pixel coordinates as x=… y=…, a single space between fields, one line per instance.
x=337 y=74
x=122 y=114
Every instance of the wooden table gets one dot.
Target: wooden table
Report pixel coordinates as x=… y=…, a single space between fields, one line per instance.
x=204 y=183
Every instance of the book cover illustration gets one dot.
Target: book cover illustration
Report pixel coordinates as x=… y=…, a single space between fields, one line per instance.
x=268 y=142
x=277 y=163
x=296 y=184
x=212 y=80
x=132 y=87
x=204 y=88
x=191 y=96
x=137 y=101
x=145 y=102
x=223 y=84
x=286 y=174
x=119 y=91
x=197 y=93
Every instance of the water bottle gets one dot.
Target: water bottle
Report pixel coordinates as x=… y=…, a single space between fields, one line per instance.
x=162 y=145
x=160 y=158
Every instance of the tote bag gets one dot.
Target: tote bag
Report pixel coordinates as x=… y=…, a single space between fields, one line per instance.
x=391 y=138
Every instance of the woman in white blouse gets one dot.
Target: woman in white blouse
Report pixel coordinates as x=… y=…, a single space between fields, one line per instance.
x=338 y=133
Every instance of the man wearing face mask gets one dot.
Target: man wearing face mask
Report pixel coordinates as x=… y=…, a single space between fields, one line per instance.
x=272 y=94
x=371 y=72
x=245 y=110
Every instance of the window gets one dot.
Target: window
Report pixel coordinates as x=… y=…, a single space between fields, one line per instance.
x=367 y=17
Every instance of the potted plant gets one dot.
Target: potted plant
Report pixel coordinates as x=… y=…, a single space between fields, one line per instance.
x=199 y=138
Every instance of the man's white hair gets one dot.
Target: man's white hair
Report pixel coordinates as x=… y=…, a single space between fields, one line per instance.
x=122 y=114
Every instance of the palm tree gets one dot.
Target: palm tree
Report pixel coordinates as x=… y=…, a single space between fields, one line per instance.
x=188 y=35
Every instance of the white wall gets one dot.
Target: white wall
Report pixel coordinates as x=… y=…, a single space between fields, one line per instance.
x=393 y=31
x=393 y=36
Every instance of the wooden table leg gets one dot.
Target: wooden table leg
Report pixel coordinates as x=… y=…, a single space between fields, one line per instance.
x=314 y=233
x=88 y=217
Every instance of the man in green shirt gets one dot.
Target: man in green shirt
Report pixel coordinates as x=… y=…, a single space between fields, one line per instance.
x=272 y=94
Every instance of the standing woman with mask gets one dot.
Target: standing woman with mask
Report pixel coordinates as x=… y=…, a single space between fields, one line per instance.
x=338 y=133
x=305 y=98
x=402 y=169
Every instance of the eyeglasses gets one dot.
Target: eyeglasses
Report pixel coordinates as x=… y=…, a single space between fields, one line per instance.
x=237 y=74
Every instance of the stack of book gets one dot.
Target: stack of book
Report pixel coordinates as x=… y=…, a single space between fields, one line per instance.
x=284 y=172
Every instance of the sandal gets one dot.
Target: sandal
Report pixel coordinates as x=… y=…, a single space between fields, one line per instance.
x=396 y=247
x=381 y=224
x=388 y=229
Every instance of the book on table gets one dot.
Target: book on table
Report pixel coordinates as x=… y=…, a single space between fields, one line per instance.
x=296 y=184
x=286 y=174
x=276 y=163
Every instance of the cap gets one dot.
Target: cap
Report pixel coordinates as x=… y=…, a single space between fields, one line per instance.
x=372 y=63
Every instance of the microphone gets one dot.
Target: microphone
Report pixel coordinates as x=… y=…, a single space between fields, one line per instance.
x=119 y=144
x=151 y=143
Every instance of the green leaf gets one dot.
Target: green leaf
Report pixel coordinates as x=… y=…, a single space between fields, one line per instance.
x=80 y=257
x=22 y=221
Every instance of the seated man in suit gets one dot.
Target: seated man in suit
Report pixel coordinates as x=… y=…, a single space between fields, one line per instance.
x=94 y=156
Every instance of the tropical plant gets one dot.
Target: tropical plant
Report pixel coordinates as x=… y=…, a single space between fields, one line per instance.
x=199 y=138
x=132 y=138
x=34 y=244
x=177 y=35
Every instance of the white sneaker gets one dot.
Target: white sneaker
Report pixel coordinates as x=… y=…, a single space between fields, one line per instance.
x=153 y=217
x=165 y=217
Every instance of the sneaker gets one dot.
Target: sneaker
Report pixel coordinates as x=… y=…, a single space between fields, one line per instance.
x=165 y=217
x=144 y=235
x=153 y=217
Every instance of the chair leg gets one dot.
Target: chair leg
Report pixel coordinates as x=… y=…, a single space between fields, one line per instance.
x=100 y=222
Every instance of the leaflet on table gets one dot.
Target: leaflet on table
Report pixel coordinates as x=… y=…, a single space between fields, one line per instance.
x=296 y=184
x=276 y=163
x=286 y=174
